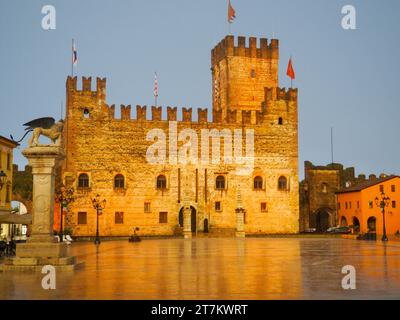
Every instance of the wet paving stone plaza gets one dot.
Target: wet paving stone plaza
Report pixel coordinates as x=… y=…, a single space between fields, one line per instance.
x=219 y=268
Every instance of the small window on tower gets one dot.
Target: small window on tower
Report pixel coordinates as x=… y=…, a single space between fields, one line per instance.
x=86 y=113
x=253 y=73
x=280 y=121
x=264 y=207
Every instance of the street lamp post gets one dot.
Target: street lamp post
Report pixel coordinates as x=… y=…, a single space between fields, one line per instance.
x=64 y=196
x=99 y=205
x=383 y=202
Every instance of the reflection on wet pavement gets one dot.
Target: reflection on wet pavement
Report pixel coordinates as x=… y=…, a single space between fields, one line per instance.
x=207 y=268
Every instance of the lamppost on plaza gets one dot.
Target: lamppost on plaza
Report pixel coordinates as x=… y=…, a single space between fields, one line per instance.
x=3 y=179
x=99 y=205
x=64 y=196
x=383 y=202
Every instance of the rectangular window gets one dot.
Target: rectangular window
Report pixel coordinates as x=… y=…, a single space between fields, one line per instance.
x=350 y=204
x=119 y=218
x=218 y=206
x=371 y=204
x=338 y=205
x=263 y=206
x=8 y=161
x=82 y=218
x=393 y=188
x=393 y=204
x=147 y=208
x=345 y=205
x=358 y=204
x=381 y=188
x=163 y=218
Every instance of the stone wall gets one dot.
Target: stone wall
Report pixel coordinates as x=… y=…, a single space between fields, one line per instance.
x=240 y=73
x=101 y=145
x=318 y=191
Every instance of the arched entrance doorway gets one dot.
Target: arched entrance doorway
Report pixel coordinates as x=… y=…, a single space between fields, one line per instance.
x=322 y=220
x=356 y=225
x=193 y=218
x=371 y=224
x=343 y=222
x=14 y=225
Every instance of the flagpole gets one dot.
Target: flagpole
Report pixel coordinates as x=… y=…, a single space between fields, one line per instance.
x=155 y=89
x=231 y=16
x=72 y=59
x=332 y=144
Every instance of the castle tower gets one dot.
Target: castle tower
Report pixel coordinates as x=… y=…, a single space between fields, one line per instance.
x=240 y=73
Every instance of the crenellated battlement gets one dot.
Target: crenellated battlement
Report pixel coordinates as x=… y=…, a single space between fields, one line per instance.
x=72 y=85
x=272 y=94
x=226 y=47
x=233 y=117
x=94 y=103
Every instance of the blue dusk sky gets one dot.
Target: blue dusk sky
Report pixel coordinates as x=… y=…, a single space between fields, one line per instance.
x=347 y=79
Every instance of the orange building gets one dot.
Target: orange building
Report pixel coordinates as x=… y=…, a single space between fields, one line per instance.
x=357 y=206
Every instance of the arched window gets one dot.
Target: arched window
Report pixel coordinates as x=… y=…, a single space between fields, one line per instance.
x=258 y=183
x=324 y=188
x=282 y=183
x=119 y=181
x=83 y=181
x=220 y=183
x=280 y=121
x=161 y=182
x=86 y=113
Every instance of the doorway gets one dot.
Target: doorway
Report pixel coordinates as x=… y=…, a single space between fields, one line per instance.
x=322 y=220
x=193 y=218
x=205 y=225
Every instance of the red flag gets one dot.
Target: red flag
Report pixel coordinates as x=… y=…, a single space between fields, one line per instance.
x=231 y=12
x=290 y=71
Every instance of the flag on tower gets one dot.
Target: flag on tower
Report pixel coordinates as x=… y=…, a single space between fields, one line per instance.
x=231 y=12
x=155 y=85
x=74 y=54
x=290 y=71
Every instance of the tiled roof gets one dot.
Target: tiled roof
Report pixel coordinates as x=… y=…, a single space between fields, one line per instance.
x=9 y=141
x=366 y=184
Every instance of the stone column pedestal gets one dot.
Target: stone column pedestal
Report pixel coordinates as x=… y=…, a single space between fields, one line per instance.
x=187 y=223
x=41 y=248
x=240 y=223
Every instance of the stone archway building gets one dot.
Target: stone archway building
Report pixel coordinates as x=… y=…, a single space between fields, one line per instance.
x=318 y=194
x=23 y=186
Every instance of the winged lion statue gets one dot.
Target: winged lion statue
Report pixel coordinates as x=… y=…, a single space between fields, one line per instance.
x=47 y=127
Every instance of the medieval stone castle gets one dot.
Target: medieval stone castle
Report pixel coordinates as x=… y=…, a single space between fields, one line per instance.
x=108 y=155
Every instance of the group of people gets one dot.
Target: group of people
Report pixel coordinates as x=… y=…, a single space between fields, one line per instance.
x=7 y=247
